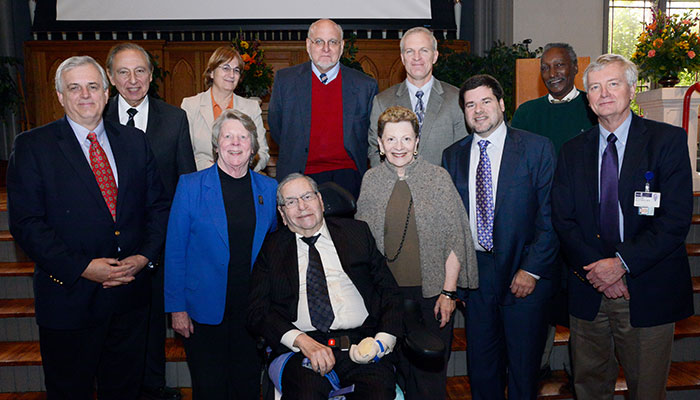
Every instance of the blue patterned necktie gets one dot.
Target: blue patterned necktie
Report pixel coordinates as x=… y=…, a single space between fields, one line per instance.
x=420 y=108
x=484 y=198
x=609 y=216
x=324 y=78
x=320 y=310
x=131 y=112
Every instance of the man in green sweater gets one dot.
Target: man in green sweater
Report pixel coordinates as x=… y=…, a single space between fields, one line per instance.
x=563 y=113
x=559 y=115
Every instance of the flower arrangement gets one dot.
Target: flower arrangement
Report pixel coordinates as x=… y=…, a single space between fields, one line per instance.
x=257 y=76
x=667 y=46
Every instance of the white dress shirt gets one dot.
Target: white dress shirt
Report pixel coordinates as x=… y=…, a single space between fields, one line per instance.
x=347 y=303
x=570 y=96
x=81 y=134
x=141 y=117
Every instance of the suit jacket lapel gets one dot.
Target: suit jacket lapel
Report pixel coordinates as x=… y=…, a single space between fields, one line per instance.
x=590 y=169
x=205 y=108
x=340 y=243
x=462 y=171
x=213 y=197
x=153 y=118
x=303 y=85
x=75 y=156
x=403 y=97
x=434 y=105
x=350 y=98
x=121 y=158
x=510 y=161
x=112 y=111
x=289 y=260
x=637 y=140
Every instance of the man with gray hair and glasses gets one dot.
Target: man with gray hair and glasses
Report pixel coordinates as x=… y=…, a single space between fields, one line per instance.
x=86 y=203
x=319 y=113
x=622 y=202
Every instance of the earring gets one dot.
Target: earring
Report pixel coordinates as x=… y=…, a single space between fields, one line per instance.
x=381 y=153
x=415 y=152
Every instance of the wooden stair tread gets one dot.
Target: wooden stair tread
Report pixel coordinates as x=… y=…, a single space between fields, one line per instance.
x=6 y=236
x=20 y=268
x=27 y=353
x=15 y=308
x=689 y=327
x=693 y=249
x=695 y=219
x=683 y=376
x=186 y=395
x=696 y=284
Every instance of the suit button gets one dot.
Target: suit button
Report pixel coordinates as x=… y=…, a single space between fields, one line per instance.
x=117 y=233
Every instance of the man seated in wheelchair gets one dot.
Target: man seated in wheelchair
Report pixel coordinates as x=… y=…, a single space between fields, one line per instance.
x=322 y=290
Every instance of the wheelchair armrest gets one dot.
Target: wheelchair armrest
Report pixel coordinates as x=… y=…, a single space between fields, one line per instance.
x=418 y=340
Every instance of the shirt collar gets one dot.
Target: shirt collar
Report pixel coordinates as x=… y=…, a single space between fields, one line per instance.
x=497 y=139
x=570 y=96
x=81 y=132
x=123 y=105
x=323 y=230
x=621 y=132
x=412 y=89
x=332 y=74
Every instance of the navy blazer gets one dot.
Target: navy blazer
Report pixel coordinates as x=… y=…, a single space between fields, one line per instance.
x=274 y=287
x=523 y=235
x=168 y=134
x=289 y=116
x=659 y=281
x=60 y=219
x=197 y=247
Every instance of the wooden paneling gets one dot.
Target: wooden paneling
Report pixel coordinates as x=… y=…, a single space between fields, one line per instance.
x=528 y=80
x=185 y=63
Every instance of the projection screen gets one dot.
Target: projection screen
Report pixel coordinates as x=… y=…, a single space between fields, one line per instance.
x=111 y=10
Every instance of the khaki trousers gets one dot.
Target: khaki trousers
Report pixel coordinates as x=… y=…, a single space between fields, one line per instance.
x=645 y=354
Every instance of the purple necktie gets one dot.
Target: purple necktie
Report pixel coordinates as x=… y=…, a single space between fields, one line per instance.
x=484 y=198
x=609 y=217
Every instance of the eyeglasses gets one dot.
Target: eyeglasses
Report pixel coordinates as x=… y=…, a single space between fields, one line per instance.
x=229 y=69
x=320 y=43
x=293 y=201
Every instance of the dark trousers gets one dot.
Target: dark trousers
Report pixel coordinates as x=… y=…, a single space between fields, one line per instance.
x=110 y=353
x=349 y=179
x=154 y=372
x=423 y=380
x=223 y=361
x=372 y=381
x=503 y=338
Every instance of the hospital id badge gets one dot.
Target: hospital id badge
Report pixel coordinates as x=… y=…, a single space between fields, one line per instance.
x=646 y=202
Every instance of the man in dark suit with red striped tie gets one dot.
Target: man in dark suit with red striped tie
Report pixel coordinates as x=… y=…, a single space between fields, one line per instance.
x=86 y=204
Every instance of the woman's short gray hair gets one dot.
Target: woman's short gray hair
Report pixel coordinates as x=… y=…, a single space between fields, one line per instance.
x=77 y=61
x=247 y=123
x=607 y=59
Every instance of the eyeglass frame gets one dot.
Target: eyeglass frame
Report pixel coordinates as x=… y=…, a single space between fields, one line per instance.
x=320 y=43
x=227 y=69
x=290 y=202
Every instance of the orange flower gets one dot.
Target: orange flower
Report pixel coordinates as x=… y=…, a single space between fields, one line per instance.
x=652 y=27
x=246 y=58
x=246 y=67
x=658 y=42
x=651 y=53
x=691 y=54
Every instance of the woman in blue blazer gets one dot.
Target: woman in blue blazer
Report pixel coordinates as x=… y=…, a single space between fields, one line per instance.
x=218 y=221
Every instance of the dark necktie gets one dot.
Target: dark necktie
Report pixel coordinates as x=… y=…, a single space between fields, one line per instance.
x=484 y=198
x=320 y=309
x=103 y=173
x=420 y=108
x=324 y=78
x=609 y=216
x=131 y=112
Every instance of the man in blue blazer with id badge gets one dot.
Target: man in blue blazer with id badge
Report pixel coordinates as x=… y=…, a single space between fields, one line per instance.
x=622 y=202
